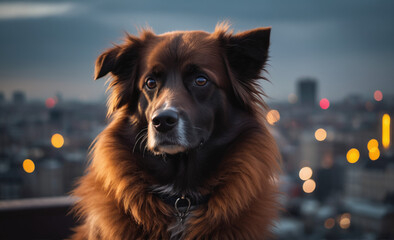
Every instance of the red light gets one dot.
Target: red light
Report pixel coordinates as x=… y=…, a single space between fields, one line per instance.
x=324 y=103
x=378 y=95
x=50 y=103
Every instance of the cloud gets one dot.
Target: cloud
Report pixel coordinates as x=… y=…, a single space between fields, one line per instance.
x=10 y=10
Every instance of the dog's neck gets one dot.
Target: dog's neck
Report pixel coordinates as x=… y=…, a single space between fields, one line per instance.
x=182 y=173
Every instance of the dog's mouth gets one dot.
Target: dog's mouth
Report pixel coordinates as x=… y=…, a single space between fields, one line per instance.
x=169 y=148
x=173 y=148
x=179 y=139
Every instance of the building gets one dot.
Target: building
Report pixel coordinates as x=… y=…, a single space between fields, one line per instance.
x=2 y=98
x=19 y=97
x=306 y=90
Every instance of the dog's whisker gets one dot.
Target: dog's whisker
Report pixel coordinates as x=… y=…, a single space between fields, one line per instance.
x=135 y=143
x=143 y=140
x=140 y=132
x=141 y=137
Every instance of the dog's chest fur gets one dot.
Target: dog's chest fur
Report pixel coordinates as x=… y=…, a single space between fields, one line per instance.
x=177 y=227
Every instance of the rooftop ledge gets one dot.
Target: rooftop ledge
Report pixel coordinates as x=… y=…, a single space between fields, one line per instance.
x=36 y=218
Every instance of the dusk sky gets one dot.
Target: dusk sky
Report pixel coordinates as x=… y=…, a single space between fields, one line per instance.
x=48 y=47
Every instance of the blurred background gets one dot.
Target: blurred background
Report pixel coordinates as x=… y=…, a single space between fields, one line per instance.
x=331 y=92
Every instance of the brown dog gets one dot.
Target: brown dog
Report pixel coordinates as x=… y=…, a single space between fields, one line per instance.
x=187 y=154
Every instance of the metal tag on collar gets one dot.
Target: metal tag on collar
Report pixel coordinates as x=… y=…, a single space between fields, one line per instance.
x=182 y=214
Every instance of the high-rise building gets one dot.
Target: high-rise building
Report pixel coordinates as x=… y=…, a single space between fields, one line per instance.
x=306 y=89
x=19 y=97
x=2 y=98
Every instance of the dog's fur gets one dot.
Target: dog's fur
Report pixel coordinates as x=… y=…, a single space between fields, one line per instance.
x=219 y=148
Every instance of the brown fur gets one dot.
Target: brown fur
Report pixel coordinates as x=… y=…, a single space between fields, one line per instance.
x=114 y=197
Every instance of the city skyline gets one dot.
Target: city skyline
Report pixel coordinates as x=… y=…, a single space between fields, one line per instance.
x=49 y=47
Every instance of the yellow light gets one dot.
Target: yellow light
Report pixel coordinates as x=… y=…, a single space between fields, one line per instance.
x=57 y=140
x=344 y=221
x=273 y=116
x=329 y=223
x=374 y=154
x=305 y=173
x=320 y=134
x=309 y=186
x=386 y=131
x=353 y=155
x=373 y=143
x=28 y=166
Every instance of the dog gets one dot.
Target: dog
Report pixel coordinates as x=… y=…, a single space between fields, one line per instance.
x=187 y=154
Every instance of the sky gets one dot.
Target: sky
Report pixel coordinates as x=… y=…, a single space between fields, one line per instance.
x=49 y=47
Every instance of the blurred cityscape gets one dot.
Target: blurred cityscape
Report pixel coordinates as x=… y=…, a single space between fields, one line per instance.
x=338 y=163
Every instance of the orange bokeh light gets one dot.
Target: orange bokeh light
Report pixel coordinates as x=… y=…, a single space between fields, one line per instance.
x=305 y=173
x=374 y=153
x=353 y=155
x=57 y=140
x=273 y=116
x=329 y=223
x=386 y=119
x=28 y=166
x=320 y=134
x=373 y=143
x=344 y=221
x=309 y=186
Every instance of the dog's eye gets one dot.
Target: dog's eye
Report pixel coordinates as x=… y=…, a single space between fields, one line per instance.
x=201 y=81
x=151 y=83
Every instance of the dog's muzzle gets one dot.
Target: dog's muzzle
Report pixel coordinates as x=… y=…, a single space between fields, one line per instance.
x=167 y=132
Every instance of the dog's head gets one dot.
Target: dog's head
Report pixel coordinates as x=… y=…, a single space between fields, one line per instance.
x=185 y=86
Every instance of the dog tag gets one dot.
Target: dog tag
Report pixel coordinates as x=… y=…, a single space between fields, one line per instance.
x=182 y=214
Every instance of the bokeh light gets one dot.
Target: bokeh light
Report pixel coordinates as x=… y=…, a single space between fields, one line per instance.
x=28 y=165
x=324 y=103
x=305 y=173
x=309 y=186
x=373 y=143
x=378 y=95
x=374 y=153
x=386 y=130
x=344 y=221
x=329 y=223
x=57 y=140
x=292 y=98
x=320 y=134
x=50 y=102
x=353 y=155
x=273 y=116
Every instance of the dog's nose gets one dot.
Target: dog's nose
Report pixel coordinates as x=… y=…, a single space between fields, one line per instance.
x=166 y=120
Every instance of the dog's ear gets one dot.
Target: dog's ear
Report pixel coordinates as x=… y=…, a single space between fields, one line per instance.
x=106 y=62
x=121 y=62
x=247 y=52
x=245 y=55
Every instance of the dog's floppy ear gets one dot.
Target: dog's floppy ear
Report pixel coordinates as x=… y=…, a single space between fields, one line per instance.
x=106 y=62
x=121 y=61
x=245 y=55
